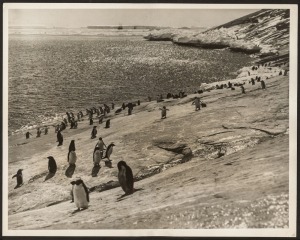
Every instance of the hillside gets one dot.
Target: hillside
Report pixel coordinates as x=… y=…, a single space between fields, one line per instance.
x=264 y=33
x=225 y=166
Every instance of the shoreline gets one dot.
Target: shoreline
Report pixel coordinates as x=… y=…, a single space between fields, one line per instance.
x=242 y=76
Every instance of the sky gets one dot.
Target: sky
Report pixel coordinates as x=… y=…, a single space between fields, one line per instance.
x=73 y=18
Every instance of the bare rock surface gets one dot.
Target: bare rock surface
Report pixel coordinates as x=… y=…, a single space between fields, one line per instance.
x=225 y=166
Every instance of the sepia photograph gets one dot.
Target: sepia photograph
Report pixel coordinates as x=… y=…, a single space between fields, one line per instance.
x=149 y=119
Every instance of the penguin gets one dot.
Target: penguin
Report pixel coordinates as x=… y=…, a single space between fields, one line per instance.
x=101 y=119
x=263 y=84
x=109 y=150
x=97 y=156
x=107 y=124
x=60 y=138
x=72 y=195
x=243 y=89
x=80 y=194
x=19 y=177
x=38 y=132
x=52 y=167
x=28 y=135
x=72 y=154
x=197 y=103
x=163 y=112
x=94 y=132
x=62 y=126
x=125 y=177
x=118 y=110
x=46 y=130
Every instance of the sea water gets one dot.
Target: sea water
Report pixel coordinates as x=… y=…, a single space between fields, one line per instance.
x=51 y=74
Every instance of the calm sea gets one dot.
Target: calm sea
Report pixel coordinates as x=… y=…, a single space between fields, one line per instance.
x=49 y=75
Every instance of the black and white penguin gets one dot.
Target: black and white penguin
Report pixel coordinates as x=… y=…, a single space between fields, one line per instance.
x=19 y=177
x=60 y=138
x=109 y=150
x=263 y=84
x=27 y=134
x=197 y=103
x=46 y=130
x=97 y=156
x=72 y=154
x=107 y=124
x=94 y=132
x=80 y=194
x=52 y=167
x=243 y=89
x=125 y=177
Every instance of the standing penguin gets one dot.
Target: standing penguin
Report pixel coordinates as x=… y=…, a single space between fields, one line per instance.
x=72 y=154
x=109 y=150
x=263 y=84
x=52 y=167
x=243 y=89
x=80 y=194
x=38 y=132
x=125 y=177
x=163 y=112
x=94 y=132
x=46 y=130
x=107 y=124
x=71 y=160
x=96 y=160
x=97 y=156
x=60 y=138
x=28 y=135
x=197 y=103
x=19 y=177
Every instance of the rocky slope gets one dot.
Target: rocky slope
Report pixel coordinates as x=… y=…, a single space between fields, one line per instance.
x=225 y=166
x=265 y=33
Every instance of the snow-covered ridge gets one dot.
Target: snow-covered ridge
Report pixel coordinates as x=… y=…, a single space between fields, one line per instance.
x=265 y=32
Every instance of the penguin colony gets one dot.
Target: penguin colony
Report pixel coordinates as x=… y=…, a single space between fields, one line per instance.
x=80 y=192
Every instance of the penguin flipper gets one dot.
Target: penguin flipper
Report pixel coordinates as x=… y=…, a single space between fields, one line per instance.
x=86 y=192
x=14 y=176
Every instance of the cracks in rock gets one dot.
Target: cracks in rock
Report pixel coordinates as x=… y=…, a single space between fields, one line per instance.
x=215 y=134
x=182 y=154
x=257 y=129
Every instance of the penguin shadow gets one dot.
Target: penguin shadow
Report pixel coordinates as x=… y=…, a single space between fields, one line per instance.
x=78 y=210
x=158 y=120
x=23 y=143
x=70 y=170
x=50 y=175
x=38 y=176
x=95 y=170
x=108 y=163
x=18 y=185
x=121 y=198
